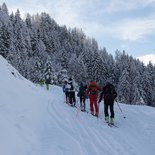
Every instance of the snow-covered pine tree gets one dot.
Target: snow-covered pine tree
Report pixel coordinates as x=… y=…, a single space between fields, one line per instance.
x=4 y=9
x=77 y=69
x=98 y=68
x=134 y=91
x=108 y=65
x=21 y=43
x=128 y=91
x=149 y=82
x=48 y=27
x=29 y=44
x=5 y=31
x=147 y=88
x=62 y=76
x=124 y=86
x=121 y=63
x=48 y=72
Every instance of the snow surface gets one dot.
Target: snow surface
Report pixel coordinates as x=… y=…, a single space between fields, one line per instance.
x=34 y=121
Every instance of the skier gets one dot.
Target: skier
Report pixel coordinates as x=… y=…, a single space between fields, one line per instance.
x=47 y=81
x=41 y=82
x=71 y=91
x=92 y=91
x=82 y=95
x=109 y=94
x=66 y=90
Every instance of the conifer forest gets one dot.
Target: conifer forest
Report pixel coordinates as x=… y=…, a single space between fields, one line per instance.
x=37 y=46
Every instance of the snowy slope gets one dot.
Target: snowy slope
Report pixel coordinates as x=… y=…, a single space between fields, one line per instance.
x=34 y=121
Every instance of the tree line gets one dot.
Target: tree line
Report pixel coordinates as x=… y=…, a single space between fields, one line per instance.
x=37 y=46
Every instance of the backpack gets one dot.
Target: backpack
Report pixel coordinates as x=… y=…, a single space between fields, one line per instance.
x=71 y=87
x=110 y=91
x=82 y=91
x=66 y=88
x=93 y=90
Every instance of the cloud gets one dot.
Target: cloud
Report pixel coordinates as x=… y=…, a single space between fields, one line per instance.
x=136 y=29
x=73 y=14
x=121 y=5
x=126 y=30
x=65 y=13
x=147 y=58
x=26 y=6
x=96 y=18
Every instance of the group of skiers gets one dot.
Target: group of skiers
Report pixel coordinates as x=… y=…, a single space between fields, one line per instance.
x=95 y=94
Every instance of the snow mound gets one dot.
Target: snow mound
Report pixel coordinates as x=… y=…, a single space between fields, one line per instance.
x=34 y=121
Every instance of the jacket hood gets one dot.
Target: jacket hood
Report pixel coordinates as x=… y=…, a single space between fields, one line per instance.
x=93 y=83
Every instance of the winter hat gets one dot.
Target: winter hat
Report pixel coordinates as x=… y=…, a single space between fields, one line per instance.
x=70 y=80
x=81 y=84
x=93 y=83
x=65 y=82
x=109 y=80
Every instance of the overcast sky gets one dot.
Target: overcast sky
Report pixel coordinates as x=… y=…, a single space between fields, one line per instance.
x=115 y=24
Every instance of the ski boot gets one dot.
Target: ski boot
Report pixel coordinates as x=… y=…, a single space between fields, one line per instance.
x=111 y=120
x=107 y=119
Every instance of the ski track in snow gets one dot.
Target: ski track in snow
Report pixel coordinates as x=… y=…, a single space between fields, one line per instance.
x=84 y=138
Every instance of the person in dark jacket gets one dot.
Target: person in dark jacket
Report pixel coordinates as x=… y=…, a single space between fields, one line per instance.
x=71 y=91
x=47 y=81
x=66 y=90
x=109 y=94
x=82 y=95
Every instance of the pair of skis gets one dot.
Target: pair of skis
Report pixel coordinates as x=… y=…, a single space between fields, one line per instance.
x=112 y=125
x=109 y=124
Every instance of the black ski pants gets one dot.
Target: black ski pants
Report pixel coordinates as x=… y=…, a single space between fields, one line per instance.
x=72 y=99
x=82 y=102
x=67 y=95
x=109 y=104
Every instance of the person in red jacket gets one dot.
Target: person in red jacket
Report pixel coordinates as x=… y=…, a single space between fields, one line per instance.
x=92 y=91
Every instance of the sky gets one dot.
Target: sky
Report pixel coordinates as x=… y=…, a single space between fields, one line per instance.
x=115 y=24
x=34 y=121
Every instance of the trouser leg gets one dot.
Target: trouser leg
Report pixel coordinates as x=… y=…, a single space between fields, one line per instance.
x=80 y=101
x=70 y=98
x=96 y=106
x=67 y=97
x=112 y=110
x=73 y=97
x=84 y=104
x=91 y=106
x=106 y=109
x=47 y=86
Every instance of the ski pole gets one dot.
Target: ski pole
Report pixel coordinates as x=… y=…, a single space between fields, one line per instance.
x=98 y=108
x=120 y=109
x=78 y=109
